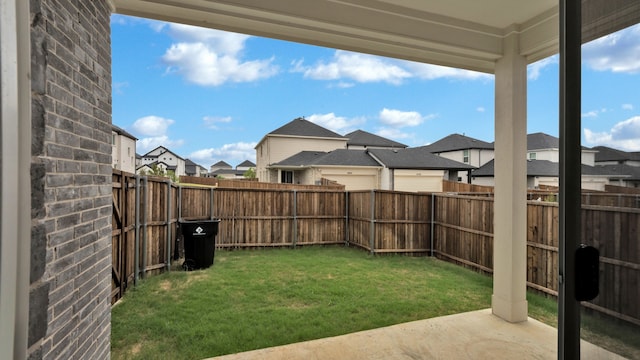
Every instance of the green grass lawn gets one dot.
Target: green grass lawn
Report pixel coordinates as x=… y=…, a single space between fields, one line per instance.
x=255 y=299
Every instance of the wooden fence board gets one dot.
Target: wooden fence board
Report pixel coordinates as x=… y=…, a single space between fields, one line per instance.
x=379 y=222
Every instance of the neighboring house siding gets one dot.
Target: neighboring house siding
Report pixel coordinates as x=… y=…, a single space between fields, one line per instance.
x=418 y=180
x=277 y=148
x=281 y=148
x=477 y=158
x=545 y=154
x=353 y=178
x=589 y=158
x=166 y=156
x=123 y=153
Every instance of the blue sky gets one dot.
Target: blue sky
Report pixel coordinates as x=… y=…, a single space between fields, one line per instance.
x=210 y=95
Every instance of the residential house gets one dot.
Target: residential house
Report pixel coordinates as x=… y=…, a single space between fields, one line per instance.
x=220 y=165
x=123 y=150
x=193 y=169
x=352 y=168
x=386 y=169
x=245 y=165
x=164 y=158
x=464 y=149
x=609 y=156
x=620 y=162
x=541 y=146
x=546 y=173
x=416 y=169
x=224 y=170
x=288 y=140
x=361 y=140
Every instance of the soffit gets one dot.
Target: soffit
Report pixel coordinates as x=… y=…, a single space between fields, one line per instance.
x=466 y=34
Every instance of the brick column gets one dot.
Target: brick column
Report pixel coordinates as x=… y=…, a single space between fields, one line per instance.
x=69 y=300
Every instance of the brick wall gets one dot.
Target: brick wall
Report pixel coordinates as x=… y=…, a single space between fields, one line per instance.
x=69 y=307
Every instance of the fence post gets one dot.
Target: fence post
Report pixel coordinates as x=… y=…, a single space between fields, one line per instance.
x=346 y=218
x=169 y=201
x=372 y=231
x=295 y=217
x=179 y=202
x=136 y=252
x=144 y=226
x=433 y=203
x=211 y=203
x=176 y=250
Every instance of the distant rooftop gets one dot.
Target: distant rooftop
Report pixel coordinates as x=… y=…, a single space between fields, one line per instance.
x=367 y=139
x=545 y=168
x=416 y=158
x=606 y=153
x=303 y=127
x=456 y=142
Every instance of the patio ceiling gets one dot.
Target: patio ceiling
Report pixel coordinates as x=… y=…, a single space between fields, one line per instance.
x=465 y=34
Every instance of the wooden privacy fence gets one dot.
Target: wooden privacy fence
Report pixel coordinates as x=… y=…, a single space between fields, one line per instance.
x=390 y=222
x=455 y=228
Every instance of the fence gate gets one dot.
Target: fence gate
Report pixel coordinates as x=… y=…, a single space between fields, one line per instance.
x=122 y=234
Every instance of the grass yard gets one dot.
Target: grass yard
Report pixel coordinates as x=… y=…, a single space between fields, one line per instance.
x=255 y=299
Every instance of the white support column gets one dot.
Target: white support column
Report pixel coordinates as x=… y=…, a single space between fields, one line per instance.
x=509 y=299
x=15 y=219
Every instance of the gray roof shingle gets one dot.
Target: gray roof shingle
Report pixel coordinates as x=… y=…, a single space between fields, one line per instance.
x=246 y=163
x=539 y=141
x=302 y=127
x=416 y=158
x=367 y=139
x=543 y=168
x=221 y=164
x=631 y=172
x=455 y=142
x=121 y=131
x=340 y=157
x=609 y=154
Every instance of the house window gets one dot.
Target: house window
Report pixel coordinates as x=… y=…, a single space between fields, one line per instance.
x=286 y=177
x=128 y=151
x=113 y=139
x=465 y=156
x=532 y=156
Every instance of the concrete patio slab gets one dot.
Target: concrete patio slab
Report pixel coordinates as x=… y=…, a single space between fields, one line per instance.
x=472 y=335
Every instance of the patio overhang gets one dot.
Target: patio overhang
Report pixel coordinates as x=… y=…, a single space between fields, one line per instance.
x=457 y=33
x=493 y=36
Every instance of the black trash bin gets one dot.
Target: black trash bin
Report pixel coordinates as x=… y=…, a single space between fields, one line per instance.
x=199 y=243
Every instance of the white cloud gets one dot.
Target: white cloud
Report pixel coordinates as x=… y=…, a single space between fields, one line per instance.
x=364 y=68
x=151 y=126
x=624 y=135
x=212 y=58
x=358 y=67
x=627 y=106
x=480 y=109
x=617 y=52
x=218 y=41
x=398 y=118
x=147 y=144
x=393 y=133
x=432 y=72
x=231 y=153
x=152 y=132
x=212 y=122
x=534 y=70
x=594 y=113
x=335 y=123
